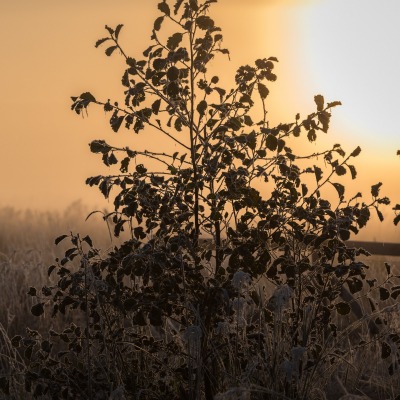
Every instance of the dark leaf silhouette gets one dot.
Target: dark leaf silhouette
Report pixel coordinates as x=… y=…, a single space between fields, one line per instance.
x=173 y=73
x=98 y=146
x=384 y=294
x=174 y=41
x=118 y=30
x=87 y=96
x=319 y=101
x=343 y=308
x=164 y=7
x=339 y=188
x=101 y=41
x=110 y=30
x=111 y=50
x=356 y=151
x=312 y=136
x=156 y=106
x=380 y=215
x=60 y=239
x=318 y=173
x=263 y=90
x=201 y=107
x=324 y=118
x=271 y=142
x=204 y=22
x=177 y=6
x=375 y=189
x=340 y=170
x=37 y=309
x=157 y=23
x=353 y=171
x=116 y=122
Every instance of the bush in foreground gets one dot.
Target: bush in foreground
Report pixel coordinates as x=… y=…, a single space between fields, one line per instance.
x=236 y=281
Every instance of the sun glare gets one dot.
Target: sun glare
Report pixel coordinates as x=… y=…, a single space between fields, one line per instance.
x=353 y=54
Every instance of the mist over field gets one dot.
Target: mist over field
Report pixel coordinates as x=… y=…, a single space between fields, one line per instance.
x=50 y=143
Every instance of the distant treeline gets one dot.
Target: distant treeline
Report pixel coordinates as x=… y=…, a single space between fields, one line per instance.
x=377 y=248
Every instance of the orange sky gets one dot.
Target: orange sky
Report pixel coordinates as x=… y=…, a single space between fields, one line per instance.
x=48 y=55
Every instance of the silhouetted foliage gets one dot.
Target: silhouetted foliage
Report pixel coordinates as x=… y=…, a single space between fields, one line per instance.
x=397 y=206
x=182 y=309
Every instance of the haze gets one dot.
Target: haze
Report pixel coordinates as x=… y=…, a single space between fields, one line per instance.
x=344 y=49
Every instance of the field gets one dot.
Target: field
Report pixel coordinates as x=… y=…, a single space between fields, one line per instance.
x=27 y=249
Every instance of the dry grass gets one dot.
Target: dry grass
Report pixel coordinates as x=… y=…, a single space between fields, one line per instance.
x=27 y=249
x=364 y=374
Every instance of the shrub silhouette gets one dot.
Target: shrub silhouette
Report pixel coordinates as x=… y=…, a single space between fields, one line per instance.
x=231 y=280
